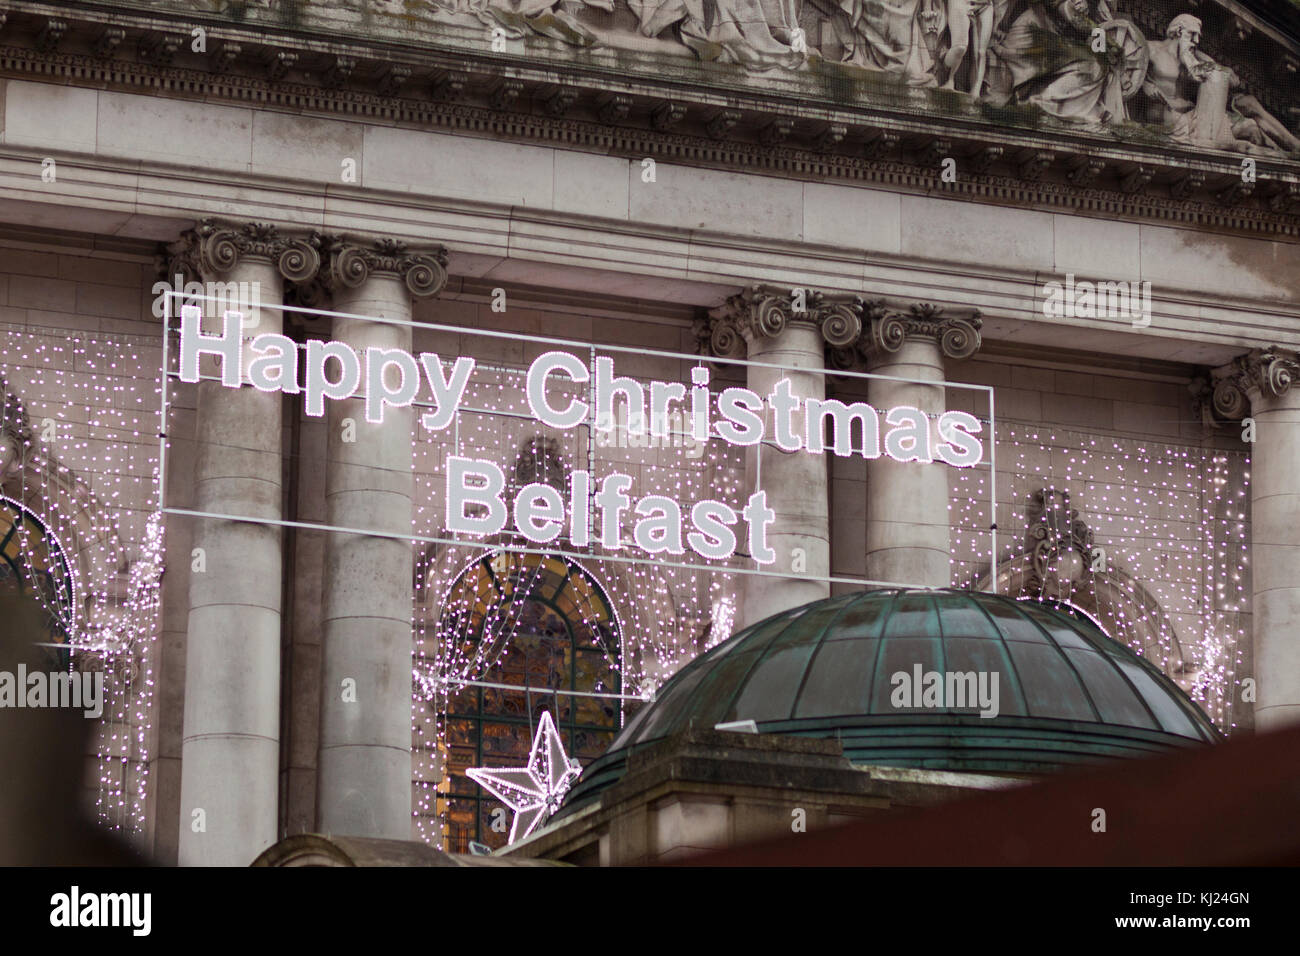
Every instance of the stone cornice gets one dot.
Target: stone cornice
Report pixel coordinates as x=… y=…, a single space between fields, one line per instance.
x=688 y=123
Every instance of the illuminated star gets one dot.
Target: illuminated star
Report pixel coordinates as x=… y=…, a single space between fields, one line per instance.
x=536 y=791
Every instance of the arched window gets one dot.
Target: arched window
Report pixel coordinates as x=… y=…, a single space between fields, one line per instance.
x=556 y=631
x=33 y=563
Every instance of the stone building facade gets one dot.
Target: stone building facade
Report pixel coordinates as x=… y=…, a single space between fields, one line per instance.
x=1095 y=252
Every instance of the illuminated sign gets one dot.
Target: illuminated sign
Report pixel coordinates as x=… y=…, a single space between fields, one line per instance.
x=476 y=502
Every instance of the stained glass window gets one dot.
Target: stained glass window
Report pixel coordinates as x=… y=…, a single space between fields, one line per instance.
x=562 y=635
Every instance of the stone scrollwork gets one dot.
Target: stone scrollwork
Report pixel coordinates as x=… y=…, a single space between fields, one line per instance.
x=852 y=328
x=15 y=431
x=769 y=316
x=1057 y=539
x=719 y=336
x=766 y=312
x=1057 y=555
x=1229 y=401
x=1273 y=370
x=298 y=261
x=313 y=264
x=1227 y=393
x=958 y=335
x=214 y=248
x=351 y=263
x=841 y=325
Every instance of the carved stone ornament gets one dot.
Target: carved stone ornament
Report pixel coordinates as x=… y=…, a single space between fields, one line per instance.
x=15 y=431
x=1082 y=61
x=853 y=329
x=766 y=312
x=958 y=335
x=351 y=263
x=1057 y=545
x=1227 y=393
x=214 y=248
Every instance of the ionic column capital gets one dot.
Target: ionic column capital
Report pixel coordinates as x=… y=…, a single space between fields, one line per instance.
x=887 y=326
x=1228 y=392
x=957 y=333
x=215 y=247
x=764 y=312
x=351 y=262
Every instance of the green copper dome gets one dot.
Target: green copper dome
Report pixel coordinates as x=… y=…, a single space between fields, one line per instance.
x=1066 y=694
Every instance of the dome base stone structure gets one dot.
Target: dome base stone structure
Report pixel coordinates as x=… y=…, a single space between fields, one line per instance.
x=705 y=789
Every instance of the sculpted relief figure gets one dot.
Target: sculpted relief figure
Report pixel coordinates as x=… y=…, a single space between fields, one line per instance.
x=1203 y=103
x=517 y=18
x=1046 y=59
x=1074 y=59
x=757 y=33
x=970 y=29
x=891 y=35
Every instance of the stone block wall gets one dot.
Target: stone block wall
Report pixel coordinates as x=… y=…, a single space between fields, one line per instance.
x=83 y=353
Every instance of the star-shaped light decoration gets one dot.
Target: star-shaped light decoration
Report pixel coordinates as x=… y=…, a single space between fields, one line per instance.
x=536 y=791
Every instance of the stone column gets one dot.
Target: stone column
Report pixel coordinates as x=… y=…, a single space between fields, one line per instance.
x=364 y=777
x=907 y=502
x=230 y=750
x=790 y=328
x=1265 y=377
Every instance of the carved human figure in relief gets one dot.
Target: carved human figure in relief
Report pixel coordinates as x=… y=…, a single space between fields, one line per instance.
x=1046 y=60
x=755 y=33
x=898 y=36
x=970 y=29
x=1204 y=103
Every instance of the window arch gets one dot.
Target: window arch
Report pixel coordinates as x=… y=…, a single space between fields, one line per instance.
x=557 y=631
x=33 y=563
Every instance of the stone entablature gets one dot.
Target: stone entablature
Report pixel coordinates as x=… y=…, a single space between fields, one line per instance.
x=875 y=129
